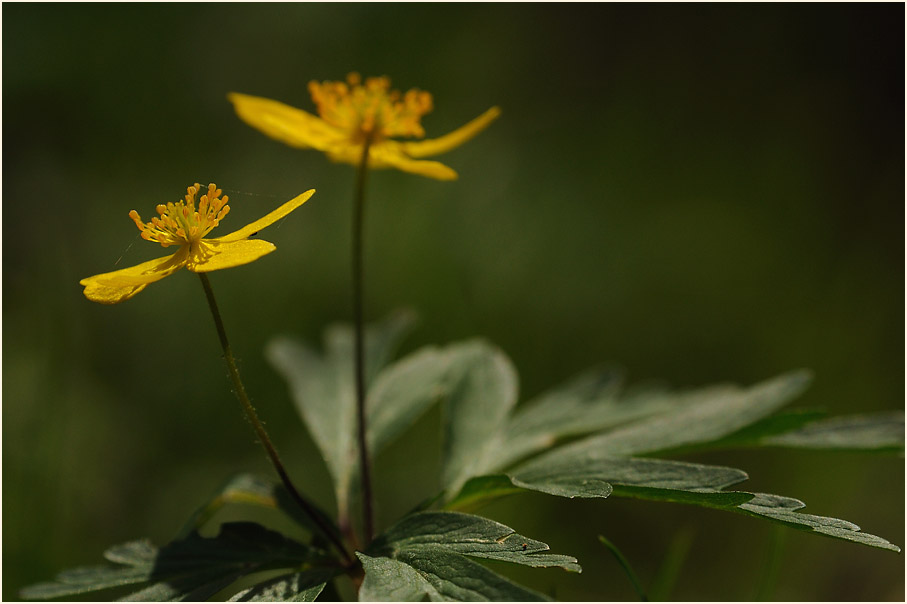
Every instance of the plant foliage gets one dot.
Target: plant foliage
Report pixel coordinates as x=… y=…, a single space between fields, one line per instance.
x=196 y=568
x=588 y=438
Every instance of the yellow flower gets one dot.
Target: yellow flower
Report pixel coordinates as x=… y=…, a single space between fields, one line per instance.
x=183 y=225
x=354 y=112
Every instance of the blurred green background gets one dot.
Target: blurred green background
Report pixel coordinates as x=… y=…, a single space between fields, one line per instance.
x=700 y=193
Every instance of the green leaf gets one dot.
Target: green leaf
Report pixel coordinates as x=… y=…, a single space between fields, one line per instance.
x=260 y=491
x=482 y=390
x=879 y=432
x=467 y=535
x=323 y=389
x=717 y=416
x=382 y=339
x=193 y=588
x=482 y=489
x=599 y=476
x=458 y=578
x=753 y=435
x=243 y=488
x=698 y=417
x=566 y=486
x=708 y=499
x=439 y=576
x=296 y=587
x=192 y=568
x=587 y=403
x=567 y=474
x=659 y=480
x=424 y=556
x=403 y=392
x=784 y=510
x=388 y=580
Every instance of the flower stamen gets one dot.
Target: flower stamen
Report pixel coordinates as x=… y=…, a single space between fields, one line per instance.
x=180 y=223
x=371 y=110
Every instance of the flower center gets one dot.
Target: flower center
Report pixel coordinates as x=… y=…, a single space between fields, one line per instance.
x=371 y=110
x=180 y=223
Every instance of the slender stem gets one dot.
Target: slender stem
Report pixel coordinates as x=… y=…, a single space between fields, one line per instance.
x=671 y=566
x=259 y=428
x=628 y=570
x=364 y=464
x=773 y=566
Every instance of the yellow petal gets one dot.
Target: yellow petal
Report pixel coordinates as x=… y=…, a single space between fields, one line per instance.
x=213 y=255
x=267 y=220
x=110 y=295
x=289 y=125
x=431 y=169
x=454 y=139
x=118 y=286
x=387 y=154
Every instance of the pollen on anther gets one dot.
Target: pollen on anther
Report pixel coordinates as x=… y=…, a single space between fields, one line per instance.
x=179 y=223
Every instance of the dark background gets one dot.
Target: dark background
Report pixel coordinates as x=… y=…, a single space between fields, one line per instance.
x=701 y=193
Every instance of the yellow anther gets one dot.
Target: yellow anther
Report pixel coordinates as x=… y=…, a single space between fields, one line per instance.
x=371 y=109
x=180 y=223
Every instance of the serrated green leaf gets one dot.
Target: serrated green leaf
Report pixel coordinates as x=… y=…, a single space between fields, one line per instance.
x=785 y=510
x=388 y=580
x=458 y=578
x=194 y=567
x=569 y=474
x=305 y=586
x=593 y=475
x=881 y=432
x=776 y=508
x=424 y=556
x=712 y=417
x=84 y=579
x=323 y=389
x=440 y=576
x=482 y=390
x=698 y=417
x=468 y=535
x=480 y=490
